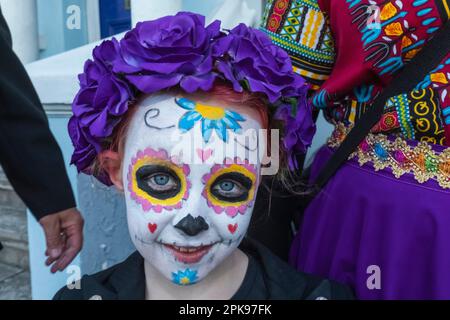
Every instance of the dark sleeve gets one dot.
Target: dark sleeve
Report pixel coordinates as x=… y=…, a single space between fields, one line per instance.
x=66 y=294
x=341 y=292
x=29 y=154
x=60 y=294
x=324 y=289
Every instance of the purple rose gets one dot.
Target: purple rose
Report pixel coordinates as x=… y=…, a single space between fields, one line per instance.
x=84 y=153
x=299 y=129
x=248 y=55
x=101 y=101
x=172 y=50
x=103 y=97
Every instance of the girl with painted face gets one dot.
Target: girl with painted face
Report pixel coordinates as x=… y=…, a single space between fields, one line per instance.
x=176 y=116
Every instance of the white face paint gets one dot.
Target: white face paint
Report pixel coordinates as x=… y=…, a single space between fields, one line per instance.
x=191 y=180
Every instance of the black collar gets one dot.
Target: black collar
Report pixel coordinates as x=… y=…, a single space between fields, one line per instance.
x=124 y=281
x=268 y=277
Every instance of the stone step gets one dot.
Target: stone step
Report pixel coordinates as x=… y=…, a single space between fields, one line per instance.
x=15 y=253
x=13 y=227
x=14 y=283
x=13 y=236
x=10 y=199
x=7 y=271
x=3 y=180
x=13 y=224
x=7 y=195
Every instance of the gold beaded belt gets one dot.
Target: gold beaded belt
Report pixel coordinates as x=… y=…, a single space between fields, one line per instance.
x=395 y=153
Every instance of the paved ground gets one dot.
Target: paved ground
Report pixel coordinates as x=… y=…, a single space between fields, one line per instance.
x=14 y=283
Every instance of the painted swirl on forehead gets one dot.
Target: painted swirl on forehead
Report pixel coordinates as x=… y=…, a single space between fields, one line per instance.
x=152 y=114
x=212 y=119
x=245 y=146
x=229 y=175
x=152 y=167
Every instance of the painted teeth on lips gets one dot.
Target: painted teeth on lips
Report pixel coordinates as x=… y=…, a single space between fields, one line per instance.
x=188 y=255
x=188 y=249
x=182 y=249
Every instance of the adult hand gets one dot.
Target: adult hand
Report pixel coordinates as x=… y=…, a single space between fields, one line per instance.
x=64 y=236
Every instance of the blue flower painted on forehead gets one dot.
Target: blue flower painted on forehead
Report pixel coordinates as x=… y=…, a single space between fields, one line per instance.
x=185 y=277
x=212 y=118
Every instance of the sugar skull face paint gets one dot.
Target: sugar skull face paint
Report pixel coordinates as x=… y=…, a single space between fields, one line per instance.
x=186 y=217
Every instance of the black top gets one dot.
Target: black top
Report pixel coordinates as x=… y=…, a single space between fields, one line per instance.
x=29 y=154
x=267 y=278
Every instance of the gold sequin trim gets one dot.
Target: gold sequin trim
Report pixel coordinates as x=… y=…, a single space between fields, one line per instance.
x=421 y=160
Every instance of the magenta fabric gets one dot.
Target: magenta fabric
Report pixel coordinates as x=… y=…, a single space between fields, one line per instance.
x=369 y=54
x=364 y=218
x=372 y=56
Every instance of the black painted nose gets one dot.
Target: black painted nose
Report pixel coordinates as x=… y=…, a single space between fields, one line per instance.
x=192 y=226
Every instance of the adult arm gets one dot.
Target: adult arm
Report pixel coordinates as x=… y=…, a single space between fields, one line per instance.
x=32 y=160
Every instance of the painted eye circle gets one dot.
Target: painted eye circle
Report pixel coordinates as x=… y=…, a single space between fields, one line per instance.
x=158 y=181
x=155 y=182
x=230 y=188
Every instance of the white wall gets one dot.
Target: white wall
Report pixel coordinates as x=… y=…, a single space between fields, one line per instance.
x=230 y=12
x=21 y=16
x=142 y=10
x=233 y=12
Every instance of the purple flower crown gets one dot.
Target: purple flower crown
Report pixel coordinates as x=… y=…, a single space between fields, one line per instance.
x=180 y=51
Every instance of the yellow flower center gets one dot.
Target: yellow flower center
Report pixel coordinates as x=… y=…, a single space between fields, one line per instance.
x=185 y=280
x=209 y=112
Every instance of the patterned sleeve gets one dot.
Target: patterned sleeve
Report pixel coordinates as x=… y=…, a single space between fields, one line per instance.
x=300 y=27
x=349 y=50
x=374 y=39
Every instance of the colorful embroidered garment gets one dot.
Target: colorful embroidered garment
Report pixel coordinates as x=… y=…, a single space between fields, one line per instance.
x=380 y=225
x=374 y=40
x=303 y=31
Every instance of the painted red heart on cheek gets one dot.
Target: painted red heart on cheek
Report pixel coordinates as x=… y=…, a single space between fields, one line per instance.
x=152 y=227
x=232 y=228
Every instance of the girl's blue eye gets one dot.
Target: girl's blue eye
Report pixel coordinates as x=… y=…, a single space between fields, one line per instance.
x=161 y=179
x=162 y=182
x=227 y=185
x=158 y=181
x=231 y=187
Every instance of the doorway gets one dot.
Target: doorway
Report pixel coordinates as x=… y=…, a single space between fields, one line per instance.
x=115 y=17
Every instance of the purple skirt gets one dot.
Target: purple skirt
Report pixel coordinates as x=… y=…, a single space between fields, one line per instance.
x=387 y=238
